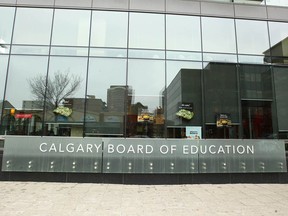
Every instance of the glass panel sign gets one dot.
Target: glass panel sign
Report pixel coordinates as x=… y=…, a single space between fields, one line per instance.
x=117 y=155
x=52 y=154
x=147 y=156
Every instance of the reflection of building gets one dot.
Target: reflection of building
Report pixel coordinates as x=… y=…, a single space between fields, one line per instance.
x=32 y=105
x=23 y=121
x=94 y=107
x=242 y=91
x=144 y=45
x=78 y=104
x=116 y=97
x=279 y=52
x=6 y=105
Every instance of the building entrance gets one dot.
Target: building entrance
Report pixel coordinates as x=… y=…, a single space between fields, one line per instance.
x=257 y=119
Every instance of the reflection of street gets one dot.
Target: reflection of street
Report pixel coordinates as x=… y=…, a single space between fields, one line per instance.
x=25 y=121
x=72 y=114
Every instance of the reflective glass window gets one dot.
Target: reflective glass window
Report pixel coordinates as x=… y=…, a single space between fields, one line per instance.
x=69 y=51
x=20 y=76
x=176 y=55
x=252 y=37
x=110 y=52
x=183 y=89
x=139 y=53
x=106 y=96
x=218 y=35
x=25 y=93
x=256 y=82
x=281 y=89
x=30 y=50
x=255 y=59
x=71 y=27
x=279 y=42
x=221 y=92
x=277 y=2
x=213 y=57
x=173 y=68
x=146 y=31
x=65 y=96
x=256 y=100
x=145 y=111
x=33 y=26
x=257 y=118
x=6 y=24
x=183 y=33
x=109 y=29
x=3 y=71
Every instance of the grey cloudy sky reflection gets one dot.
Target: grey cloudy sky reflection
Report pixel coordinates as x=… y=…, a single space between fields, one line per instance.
x=278 y=32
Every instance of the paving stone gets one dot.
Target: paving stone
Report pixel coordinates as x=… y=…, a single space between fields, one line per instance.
x=72 y=199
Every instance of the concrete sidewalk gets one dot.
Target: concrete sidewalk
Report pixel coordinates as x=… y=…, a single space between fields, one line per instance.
x=57 y=199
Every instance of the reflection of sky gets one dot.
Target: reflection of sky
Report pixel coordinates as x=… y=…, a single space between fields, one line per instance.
x=146 y=31
x=103 y=73
x=173 y=67
x=218 y=41
x=76 y=24
x=3 y=66
x=146 y=77
x=183 y=33
x=32 y=26
x=104 y=26
x=23 y=68
x=6 y=23
x=278 y=31
x=151 y=101
x=277 y=2
x=252 y=36
x=75 y=66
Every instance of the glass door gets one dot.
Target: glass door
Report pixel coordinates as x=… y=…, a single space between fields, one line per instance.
x=257 y=119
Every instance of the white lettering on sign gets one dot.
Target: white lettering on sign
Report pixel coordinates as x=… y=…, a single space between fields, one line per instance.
x=165 y=149
x=146 y=149
x=70 y=148
x=129 y=149
x=221 y=149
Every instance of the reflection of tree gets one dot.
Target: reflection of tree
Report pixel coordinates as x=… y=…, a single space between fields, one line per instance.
x=54 y=88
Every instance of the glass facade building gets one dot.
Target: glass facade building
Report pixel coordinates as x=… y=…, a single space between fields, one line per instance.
x=144 y=69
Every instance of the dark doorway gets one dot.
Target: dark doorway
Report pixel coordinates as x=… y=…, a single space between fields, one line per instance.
x=257 y=119
x=214 y=132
